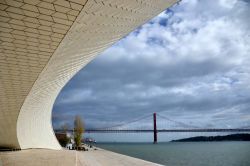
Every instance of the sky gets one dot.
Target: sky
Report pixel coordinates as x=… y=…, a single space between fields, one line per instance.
x=190 y=64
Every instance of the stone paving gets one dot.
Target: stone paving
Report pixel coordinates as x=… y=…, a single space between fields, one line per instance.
x=45 y=157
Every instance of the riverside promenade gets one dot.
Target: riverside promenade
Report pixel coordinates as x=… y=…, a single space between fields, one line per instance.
x=42 y=157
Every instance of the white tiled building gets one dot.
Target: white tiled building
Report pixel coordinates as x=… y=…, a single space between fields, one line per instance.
x=43 y=43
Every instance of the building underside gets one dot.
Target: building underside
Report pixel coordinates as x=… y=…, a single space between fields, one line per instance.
x=43 y=44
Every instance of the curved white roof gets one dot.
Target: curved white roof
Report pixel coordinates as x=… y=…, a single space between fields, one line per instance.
x=43 y=43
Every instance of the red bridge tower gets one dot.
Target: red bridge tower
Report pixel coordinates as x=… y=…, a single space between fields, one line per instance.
x=155 y=128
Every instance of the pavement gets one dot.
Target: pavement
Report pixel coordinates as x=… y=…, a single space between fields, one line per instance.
x=46 y=157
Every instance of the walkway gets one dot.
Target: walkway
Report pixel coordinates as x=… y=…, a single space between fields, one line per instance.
x=41 y=157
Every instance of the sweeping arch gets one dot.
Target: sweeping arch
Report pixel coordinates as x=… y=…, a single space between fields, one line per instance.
x=43 y=45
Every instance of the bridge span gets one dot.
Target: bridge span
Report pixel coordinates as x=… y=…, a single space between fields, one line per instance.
x=185 y=128
x=166 y=130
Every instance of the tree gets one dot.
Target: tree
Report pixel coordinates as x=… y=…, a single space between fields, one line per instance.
x=78 y=130
x=65 y=127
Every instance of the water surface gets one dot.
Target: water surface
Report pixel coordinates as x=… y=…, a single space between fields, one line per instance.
x=186 y=153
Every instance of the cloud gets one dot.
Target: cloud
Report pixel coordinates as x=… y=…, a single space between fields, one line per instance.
x=75 y=96
x=190 y=63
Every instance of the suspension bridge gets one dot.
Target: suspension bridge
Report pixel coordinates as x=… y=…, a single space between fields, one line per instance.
x=136 y=126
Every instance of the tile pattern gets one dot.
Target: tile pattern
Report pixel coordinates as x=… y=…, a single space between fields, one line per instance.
x=37 y=61
x=30 y=32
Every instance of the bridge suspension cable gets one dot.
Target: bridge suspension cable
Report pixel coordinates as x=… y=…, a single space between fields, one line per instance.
x=124 y=123
x=177 y=122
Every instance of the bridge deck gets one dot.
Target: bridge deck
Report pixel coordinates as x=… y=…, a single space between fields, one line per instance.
x=159 y=131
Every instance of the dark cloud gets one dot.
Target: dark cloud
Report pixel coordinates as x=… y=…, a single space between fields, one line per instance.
x=191 y=64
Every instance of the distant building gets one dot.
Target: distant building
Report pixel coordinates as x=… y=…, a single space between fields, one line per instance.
x=64 y=139
x=61 y=136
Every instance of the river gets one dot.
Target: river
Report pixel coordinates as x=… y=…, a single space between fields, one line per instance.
x=186 y=153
